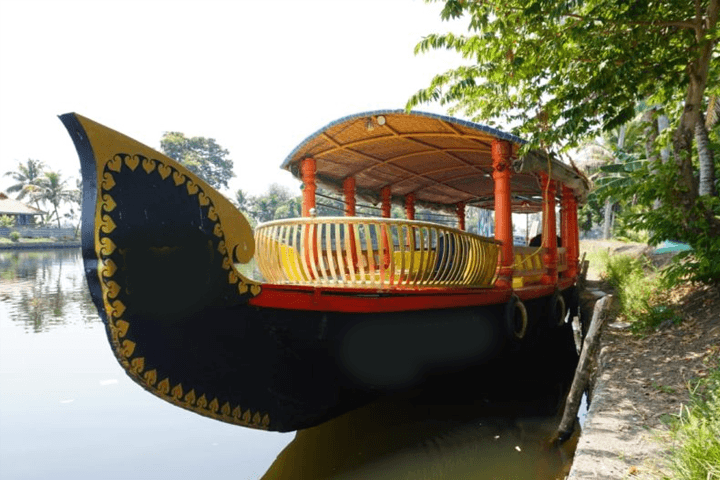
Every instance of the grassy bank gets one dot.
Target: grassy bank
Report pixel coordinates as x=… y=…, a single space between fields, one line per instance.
x=650 y=303
x=695 y=432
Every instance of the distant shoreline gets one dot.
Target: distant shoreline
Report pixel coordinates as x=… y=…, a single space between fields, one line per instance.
x=39 y=245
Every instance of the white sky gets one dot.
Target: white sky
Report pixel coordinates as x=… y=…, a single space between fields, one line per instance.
x=258 y=76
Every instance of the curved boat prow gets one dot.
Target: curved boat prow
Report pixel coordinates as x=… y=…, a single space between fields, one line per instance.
x=160 y=247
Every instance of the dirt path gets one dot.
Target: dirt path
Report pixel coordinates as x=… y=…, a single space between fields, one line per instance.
x=642 y=381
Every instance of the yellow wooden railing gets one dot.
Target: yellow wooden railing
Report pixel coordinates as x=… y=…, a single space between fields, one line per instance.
x=373 y=253
x=529 y=267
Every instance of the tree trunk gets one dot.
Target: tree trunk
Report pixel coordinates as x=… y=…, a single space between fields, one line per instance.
x=663 y=122
x=607 y=221
x=707 y=162
x=57 y=216
x=698 y=68
x=651 y=133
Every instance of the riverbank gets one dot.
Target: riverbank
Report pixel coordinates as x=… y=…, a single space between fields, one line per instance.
x=641 y=381
x=37 y=244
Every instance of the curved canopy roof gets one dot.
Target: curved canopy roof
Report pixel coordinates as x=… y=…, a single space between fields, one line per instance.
x=442 y=160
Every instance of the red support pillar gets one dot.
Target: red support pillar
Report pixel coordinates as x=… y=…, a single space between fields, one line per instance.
x=349 y=193
x=571 y=238
x=502 y=172
x=307 y=170
x=549 y=233
x=410 y=206
x=460 y=210
x=385 y=196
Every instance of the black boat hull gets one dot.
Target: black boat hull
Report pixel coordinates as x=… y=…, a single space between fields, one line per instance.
x=161 y=250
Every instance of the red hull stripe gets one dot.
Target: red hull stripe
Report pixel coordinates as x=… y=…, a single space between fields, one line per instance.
x=349 y=300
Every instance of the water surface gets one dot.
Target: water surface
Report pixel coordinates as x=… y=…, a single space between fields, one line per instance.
x=68 y=411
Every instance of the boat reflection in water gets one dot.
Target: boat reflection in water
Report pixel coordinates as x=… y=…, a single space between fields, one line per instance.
x=452 y=429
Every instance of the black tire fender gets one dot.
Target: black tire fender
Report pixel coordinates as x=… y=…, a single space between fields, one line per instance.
x=516 y=319
x=556 y=310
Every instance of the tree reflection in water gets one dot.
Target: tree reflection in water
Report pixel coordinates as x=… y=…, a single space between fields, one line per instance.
x=34 y=286
x=478 y=425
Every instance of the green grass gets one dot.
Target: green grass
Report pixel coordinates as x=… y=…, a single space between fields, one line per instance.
x=638 y=286
x=695 y=433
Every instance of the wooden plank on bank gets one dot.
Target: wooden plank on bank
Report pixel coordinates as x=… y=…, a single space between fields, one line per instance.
x=582 y=372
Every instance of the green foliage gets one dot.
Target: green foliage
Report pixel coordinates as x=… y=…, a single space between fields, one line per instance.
x=27 y=176
x=201 y=155
x=637 y=285
x=696 y=432
x=14 y=236
x=625 y=227
x=52 y=188
x=655 y=187
x=561 y=70
x=277 y=203
x=7 y=221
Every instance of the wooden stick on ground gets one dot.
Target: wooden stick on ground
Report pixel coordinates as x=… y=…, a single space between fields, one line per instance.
x=582 y=372
x=582 y=278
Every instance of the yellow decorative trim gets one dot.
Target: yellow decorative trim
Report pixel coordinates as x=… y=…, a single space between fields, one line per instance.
x=114 y=308
x=148 y=165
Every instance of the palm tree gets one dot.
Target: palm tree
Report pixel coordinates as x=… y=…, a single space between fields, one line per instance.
x=53 y=189
x=27 y=177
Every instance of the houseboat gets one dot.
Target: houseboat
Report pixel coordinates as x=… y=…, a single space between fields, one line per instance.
x=346 y=308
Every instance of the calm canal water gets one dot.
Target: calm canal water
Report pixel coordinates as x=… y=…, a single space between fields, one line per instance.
x=68 y=411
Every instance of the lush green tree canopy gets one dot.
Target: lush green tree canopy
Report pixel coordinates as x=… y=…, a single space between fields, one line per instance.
x=200 y=155
x=559 y=71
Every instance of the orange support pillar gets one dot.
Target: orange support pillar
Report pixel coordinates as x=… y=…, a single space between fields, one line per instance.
x=385 y=197
x=549 y=233
x=307 y=170
x=349 y=193
x=410 y=206
x=571 y=234
x=502 y=172
x=460 y=210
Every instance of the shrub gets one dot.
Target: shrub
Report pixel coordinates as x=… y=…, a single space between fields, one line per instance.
x=7 y=221
x=15 y=236
x=637 y=285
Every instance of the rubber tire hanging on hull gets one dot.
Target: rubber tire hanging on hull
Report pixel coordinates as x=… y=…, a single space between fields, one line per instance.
x=556 y=310
x=516 y=319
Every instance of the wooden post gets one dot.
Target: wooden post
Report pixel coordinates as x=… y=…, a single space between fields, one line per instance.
x=582 y=372
x=410 y=206
x=349 y=194
x=307 y=170
x=309 y=236
x=502 y=172
x=460 y=210
x=386 y=197
x=570 y=232
x=549 y=234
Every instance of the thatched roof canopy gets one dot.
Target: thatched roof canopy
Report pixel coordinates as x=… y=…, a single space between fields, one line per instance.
x=442 y=160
